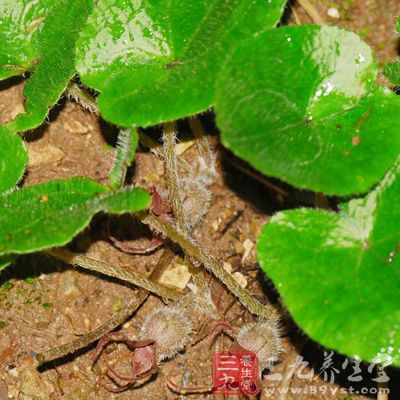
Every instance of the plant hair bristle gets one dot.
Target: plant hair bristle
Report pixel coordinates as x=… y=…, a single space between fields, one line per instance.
x=121 y=156
x=83 y=98
x=196 y=202
x=201 y=301
x=170 y=327
x=207 y=173
x=263 y=338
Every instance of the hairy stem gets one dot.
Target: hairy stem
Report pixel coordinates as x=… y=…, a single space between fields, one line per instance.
x=171 y=173
x=83 y=97
x=216 y=268
x=115 y=272
x=123 y=158
x=201 y=139
x=154 y=146
x=111 y=324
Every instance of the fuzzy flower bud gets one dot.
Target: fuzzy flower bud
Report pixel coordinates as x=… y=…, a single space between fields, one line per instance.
x=170 y=328
x=262 y=338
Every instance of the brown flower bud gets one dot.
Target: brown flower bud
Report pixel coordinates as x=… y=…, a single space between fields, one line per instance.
x=170 y=328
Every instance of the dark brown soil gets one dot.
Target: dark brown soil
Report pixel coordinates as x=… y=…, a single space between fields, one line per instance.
x=45 y=303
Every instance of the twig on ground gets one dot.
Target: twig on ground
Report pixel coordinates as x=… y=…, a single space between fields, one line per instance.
x=171 y=173
x=115 y=272
x=110 y=325
x=150 y=143
x=201 y=138
x=184 y=390
x=216 y=268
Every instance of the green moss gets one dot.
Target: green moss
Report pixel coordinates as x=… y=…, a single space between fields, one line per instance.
x=30 y=280
x=364 y=31
x=47 y=305
x=6 y=286
x=117 y=305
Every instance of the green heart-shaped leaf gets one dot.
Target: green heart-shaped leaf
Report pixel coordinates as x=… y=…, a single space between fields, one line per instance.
x=51 y=214
x=20 y=20
x=13 y=159
x=156 y=61
x=40 y=36
x=301 y=104
x=339 y=273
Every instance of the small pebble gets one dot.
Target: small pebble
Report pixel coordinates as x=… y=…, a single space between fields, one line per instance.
x=333 y=12
x=227 y=267
x=18 y=109
x=177 y=275
x=68 y=285
x=248 y=246
x=216 y=224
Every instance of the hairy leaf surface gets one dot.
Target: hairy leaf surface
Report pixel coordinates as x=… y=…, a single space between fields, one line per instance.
x=13 y=158
x=51 y=214
x=20 y=23
x=392 y=72
x=156 y=61
x=40 y=37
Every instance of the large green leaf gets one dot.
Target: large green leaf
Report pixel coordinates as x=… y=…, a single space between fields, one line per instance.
x=13 y=158
x=392 y=72
x=51 y=214
x=301 y=104
x=40 y=36
x=339 y=273
x=20 y=20
x=156 y=61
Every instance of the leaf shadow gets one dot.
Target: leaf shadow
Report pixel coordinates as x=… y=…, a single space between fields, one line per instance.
x=350 y=377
